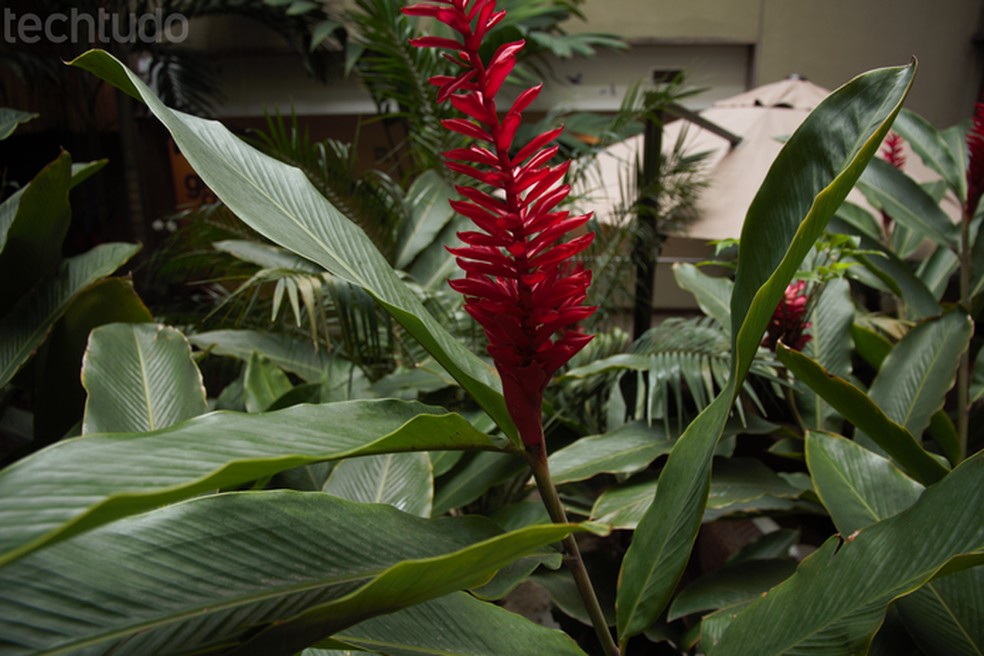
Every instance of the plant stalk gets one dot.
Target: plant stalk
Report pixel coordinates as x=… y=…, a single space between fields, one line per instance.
x=963 y=373
x=572 y=554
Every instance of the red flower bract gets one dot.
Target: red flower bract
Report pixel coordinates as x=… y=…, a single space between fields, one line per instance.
x=788 y=322
x=518 y=285
x=975 y=169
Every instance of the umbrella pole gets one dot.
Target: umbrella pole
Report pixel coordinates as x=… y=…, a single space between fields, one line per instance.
x=648 y=241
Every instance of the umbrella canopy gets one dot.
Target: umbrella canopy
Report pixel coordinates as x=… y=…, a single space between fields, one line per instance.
x=763 y=118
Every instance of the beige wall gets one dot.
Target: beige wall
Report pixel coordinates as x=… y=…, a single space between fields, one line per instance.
x=828 y=41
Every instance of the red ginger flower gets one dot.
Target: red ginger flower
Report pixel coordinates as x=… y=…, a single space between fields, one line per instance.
x=975 y=169
x=892 y=150
x=787 y=321
x=892 y=153
x=517 y=285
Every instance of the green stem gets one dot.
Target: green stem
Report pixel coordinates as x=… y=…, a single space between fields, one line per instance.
x=963 y=373
x=572 y=555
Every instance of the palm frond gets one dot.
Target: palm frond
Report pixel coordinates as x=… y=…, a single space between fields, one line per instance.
x=679 y=366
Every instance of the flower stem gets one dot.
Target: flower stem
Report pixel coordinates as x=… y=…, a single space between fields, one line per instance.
x=572 y=555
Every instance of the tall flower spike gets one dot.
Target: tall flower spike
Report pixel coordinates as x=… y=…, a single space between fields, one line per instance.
x=975 y=169
x=519 y=284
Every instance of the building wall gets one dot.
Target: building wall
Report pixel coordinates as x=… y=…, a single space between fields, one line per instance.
x=829 y=42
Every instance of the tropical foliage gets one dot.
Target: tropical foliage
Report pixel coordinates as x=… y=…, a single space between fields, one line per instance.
x=358 y=482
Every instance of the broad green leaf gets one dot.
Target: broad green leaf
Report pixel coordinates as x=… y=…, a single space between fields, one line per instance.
x=737 y=480
x=473 y=476
x=625 y=450
x=929 y=144
x=11 y=118
x=859 y=409
x=278 y=201
x=742 y=487
x=871 y=345
x=402 y=480
x=212 y=572
x=427 y=203
x=857 y=487
x=25 y=327
x=809 y=179
x=297 y=356
x=435 y=265
x=263 y=383
x=78 y=484
x=944 y=617
x=265 y=255
x=435 y=628
x=915 y=377
x=772 y=545
x=713 y=294
x=830 y=344
x=897 y=276
x=622 y=506
x=936 y=270
x=59 y=401
x=33 y=225
x=860 y=488
x=955 y=138
x=82 y=171
x=732 y=584
x=977 y=379
x=907 y=203
x=837 y=598
x=139 y=377
x=322 y=31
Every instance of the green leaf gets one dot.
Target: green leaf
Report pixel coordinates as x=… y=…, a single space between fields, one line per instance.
x=200 y=575
x=11 y=118
x=78 y=484
x=977 y=379
x=907 y=203
x=860 y=488
x=625 y=450
x=473 y=476
x=33 y=225
x=944 y=617
x=897 y=276
x=837 y=598
x=731 y=585
x=265 y=255
x=871 y=345
x=915 y=377
x=322 y=31
x=435 y=627
x=279 y=202
x=139 y=377
x=297 y=356
x=859 y=409
x=59 y=400
x=831 y=343
x=402 y=480
x=857 y=487
x=712 y=293
x=263 y=383
x=809 y=179
x=427 y=204
x=25 y=327
x=929 y=144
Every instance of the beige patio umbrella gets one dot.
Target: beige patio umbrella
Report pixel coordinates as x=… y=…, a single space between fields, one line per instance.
x=762 y=118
